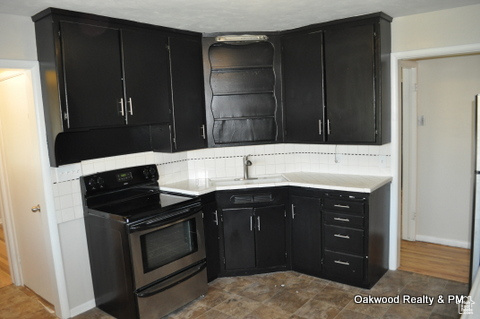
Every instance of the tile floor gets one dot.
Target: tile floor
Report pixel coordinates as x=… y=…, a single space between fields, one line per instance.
x=291 y=295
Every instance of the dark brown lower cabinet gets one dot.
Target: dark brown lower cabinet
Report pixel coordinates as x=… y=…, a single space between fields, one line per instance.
x=306 y=221
x=337 y=235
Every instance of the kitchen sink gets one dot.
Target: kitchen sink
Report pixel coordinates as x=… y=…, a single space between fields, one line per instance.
x=253 y=180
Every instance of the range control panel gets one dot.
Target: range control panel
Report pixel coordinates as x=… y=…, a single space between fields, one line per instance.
x=111 y=180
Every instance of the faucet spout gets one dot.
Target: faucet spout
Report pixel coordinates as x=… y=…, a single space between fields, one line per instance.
x=246 y=164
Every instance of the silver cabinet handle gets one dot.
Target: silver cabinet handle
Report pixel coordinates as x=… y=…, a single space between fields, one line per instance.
x=131 y=105
x=36 y=209
x=251 y=223
x=122 y=107
x=341 y=219
x=341 y=206
x=258 y=220
x=328 y=127
x=203 y=131
x=293 y=211
x=345 y=263
x=216 y=217
x=319 y=127
x=342 y=236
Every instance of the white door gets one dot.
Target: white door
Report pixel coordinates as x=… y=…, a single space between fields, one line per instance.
x=21 y=167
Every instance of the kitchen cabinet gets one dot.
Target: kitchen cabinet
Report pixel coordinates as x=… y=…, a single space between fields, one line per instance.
x=306 y=233
x=355 y=236
x=302 y=56
x=189 y=130
x=253 y=234
x=357 y=84
x=243 y=92
x=212 y=236
x=336 y=82
x=109 y=86
x=102 y=88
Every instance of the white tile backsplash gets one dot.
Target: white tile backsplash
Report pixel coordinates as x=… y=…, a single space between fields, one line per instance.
x=223 y=162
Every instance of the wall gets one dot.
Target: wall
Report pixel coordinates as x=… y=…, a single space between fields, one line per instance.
x=436 y=29
x=17 y=37
x=446 y=95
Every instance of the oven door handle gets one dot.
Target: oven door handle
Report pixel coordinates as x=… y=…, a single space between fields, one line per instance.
x=172 y=281
x=173 y=217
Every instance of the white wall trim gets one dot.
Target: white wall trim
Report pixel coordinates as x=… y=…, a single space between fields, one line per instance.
x=395 y=57
x=82 y=308
x=443 y=241
x=61 y=304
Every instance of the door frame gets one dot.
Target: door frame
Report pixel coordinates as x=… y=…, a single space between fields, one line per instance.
x=61 y=303
x=409 y=148
x=396 y=168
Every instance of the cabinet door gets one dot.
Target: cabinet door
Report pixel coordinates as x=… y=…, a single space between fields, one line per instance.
x=239 y=239
x=147 y=77
x=302 y=56
x=350 y=84
x=92 y=76
x=270 y=239
x=188 y=93
x=306 y=234
x=212 y=244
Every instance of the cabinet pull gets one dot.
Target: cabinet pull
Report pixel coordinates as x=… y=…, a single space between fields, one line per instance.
x=342 y=219
x=203 y=132
x=342 y=236
x=122 y=107
x=293 y=211
x=251 y=223
x=328 y=127
x=319 y=127
x=216 y=217
x=345 y=263
x=131 y=105
x=258 y=220
x=341 y=206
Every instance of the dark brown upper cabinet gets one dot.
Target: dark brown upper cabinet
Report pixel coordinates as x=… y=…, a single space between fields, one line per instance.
x=113 y=76
x=302 y=56
x=243 y=104
x=336 y=82
x=189 y=128
x=110 y=86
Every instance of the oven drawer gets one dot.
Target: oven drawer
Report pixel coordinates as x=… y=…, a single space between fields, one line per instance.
x=343 y=220
x=344 y=266
x=173 y=293
x=357 y=207
x=342 y=239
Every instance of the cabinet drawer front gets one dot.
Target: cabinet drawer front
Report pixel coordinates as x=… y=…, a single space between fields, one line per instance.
x=347 y=267
x=345 y=240
x=343 y=220
x=344 y=205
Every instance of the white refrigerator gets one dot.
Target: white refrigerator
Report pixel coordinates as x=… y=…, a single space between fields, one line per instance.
x=476 y=210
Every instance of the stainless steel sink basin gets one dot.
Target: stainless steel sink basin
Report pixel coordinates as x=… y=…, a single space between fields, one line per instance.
x=254 y=180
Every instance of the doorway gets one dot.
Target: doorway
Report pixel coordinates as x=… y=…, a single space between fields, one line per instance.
x=29 y=221
x=437 y=163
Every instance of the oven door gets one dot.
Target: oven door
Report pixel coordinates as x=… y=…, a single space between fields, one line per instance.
x=160 y=249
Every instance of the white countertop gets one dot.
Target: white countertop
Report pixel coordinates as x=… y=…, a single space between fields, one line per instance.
x=342 y=182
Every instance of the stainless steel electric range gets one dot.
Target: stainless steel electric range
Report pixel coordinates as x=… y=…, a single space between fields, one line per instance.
x=146 y=248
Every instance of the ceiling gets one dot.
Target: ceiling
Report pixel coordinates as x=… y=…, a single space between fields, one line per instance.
x=233 y=15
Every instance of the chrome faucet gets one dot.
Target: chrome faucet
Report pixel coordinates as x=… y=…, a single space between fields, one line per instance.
x=246 y=164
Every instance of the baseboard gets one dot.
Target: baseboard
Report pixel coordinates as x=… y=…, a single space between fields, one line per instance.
x=443 y=241
x=82 y=308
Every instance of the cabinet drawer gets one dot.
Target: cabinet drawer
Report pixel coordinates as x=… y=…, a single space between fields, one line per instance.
x=344 y=205
x=346 y=267
x=343 y=220
x=347 y=240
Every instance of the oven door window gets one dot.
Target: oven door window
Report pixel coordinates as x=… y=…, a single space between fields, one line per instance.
x=168 y=244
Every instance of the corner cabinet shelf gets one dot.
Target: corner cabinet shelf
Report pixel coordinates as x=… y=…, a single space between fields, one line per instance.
x=242 y=103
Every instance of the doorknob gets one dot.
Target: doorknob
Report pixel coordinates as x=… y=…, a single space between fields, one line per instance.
x=36 y=209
